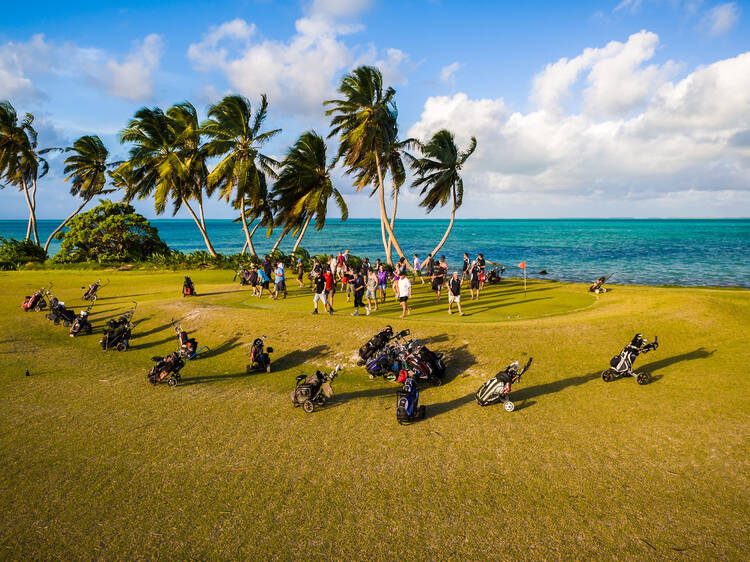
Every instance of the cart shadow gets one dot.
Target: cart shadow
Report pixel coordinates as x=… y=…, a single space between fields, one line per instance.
x=217 y=378
x=535 y=391
x=367 y=393
x=148 y=345
x=299 y=357
x=700 y=353
x=223 y=347
x=457 y=360
x=445 y=407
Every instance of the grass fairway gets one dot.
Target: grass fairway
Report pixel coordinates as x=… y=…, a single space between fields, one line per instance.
x=97 y=463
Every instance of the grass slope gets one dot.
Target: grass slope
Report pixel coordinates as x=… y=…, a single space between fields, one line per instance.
x=97 y=463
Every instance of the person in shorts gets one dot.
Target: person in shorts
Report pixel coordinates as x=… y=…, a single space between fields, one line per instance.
x=265 y=280
x=357 y=285
x=474 y=284
x=454 y=293
x=482 y=266
x=330 y=289
x=253 y=279
x=300 y=274
x=438 y=280
x=382 y=281
x=345 y=282
x=465 y=275
x=279 y=283
x=403 y=288
x=417 y=269
x=372 y=290
x=319 y=288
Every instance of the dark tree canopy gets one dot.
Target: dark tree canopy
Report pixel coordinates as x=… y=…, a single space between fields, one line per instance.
x=110 y=232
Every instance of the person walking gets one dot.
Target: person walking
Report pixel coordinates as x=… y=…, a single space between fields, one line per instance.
x=454 y=293
x=267 y=266
x=403 y=288
x=330 y=289
x=417 y=269
x=474 y=283
x=465 y=275
x=279 y=281
x=482 y=266
x=372 y=289
x=265 y=280
x=319 y=288
x=438 y=278
x=254 y=279
x=300 y=274
x=382 y=281
x=358 y=288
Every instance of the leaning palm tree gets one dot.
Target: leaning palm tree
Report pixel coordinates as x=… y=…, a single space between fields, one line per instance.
x=261 y=211
x=87 y=169
x=161 y=164
x=365 y=121
x=21 y=162
x=437 y=173
x=235 y=136
x=304 y=186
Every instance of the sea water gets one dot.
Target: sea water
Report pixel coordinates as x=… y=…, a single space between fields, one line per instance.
x=643 y=251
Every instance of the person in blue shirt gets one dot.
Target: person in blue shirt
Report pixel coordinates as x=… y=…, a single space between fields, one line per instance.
x=265 y=280
x=279 y=282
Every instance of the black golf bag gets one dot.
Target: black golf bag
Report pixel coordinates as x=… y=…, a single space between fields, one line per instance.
x=118 y=333
x=376 y=343
x=58 y=313
x=408 y=409
x=188 y=345
x=81 y=324
x=188 y=289
x=423 y=363
x=244 y=275
x=385 y=363
x=598 y=285
x=259 y=357
x=91 y=292
x=497 y=389
x=314 y=390
x=622 y=365
x=167 y=369
x=495 y=275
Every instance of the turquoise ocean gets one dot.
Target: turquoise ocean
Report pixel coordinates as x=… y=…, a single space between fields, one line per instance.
x=642 y=251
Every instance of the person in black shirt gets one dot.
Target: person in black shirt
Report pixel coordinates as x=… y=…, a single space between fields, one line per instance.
x=253 y=279
x=481 y=264
x=474 y=273
x=465 y=268
x=438 y=277
x=319 y=287
x=267 y=266
x=358 y=288
x=454 y=293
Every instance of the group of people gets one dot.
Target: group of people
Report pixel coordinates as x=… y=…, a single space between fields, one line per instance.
x=260 y=278
x=368 y=283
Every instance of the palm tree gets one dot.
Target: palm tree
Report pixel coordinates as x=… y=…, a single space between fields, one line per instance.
x=304 y=186
x=235 y=135
x=262 y=212
x=438 y=175
x=164 y=163
x=21 y=163
x=365 y=121
x=87 y=168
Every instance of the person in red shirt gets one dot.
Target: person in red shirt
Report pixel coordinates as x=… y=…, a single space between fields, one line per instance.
x=330 y=289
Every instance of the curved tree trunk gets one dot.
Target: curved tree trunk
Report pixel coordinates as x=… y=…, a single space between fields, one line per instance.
x=248 y=234
x=301 y=234
x=209 y=247
x=384 y=216
x=25 y=190
x=276 y=246
x=34 y=228
x=63 y=223
x=393 y=221
x=447 y=232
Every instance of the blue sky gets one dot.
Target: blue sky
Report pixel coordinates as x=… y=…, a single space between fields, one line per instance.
x=634 y=108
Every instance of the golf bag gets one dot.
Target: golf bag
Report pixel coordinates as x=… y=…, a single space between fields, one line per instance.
x=91 y=292
x=495 y=276
x=81 y=324
x=36 y=301
x=244 y=275
x=385 y=363
x=497 y=389
x=622 y=365
x=423 y=363
x=259 y=357
x=188 y=289
x=598 y=285
x=58 y=313
x=188 y=346
x=408 y=409
x=119 y=332
x=167 y=369
x=314 y=390
x=376 y=343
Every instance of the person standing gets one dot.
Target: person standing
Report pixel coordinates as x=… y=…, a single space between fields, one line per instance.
x=254 y=279
x=474 y=280
x=417 y=269
x=267 y=266
x=382 y=280
x=358 y=288
x=482 y=265
x=403 y=287
x=454 y=293
x=438 y=278
x=279 y=281
x=319 y=288
x=465 y=275
x=330 y=289
x=372 y=289
x=265 y=280
x=300 y=274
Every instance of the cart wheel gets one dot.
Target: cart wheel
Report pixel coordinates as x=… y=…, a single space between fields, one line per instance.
x=66 y=324
x=308 y=406
x=607 y=375
x=435 y=381
x=247 y=369
x=56 y=321
x=172 y=381
x=642 y=378
x=268 y=368
x=121 y=347
x=509 y=406
x=37 y=308
x=360 y=363
x=178 y=376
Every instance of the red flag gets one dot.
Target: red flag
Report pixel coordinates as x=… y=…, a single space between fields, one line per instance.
x=522 y=265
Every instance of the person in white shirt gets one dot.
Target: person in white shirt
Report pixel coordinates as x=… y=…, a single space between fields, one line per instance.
x=403 y=286
x=417 y=269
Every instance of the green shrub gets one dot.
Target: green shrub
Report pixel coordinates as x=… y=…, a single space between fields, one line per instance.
x=14 y=253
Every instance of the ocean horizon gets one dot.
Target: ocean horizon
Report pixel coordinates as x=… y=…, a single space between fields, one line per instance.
x=700 y=252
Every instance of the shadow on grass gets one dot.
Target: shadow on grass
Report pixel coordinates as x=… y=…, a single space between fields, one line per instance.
x=535 y=391
x=214 y=378
x=367 y=393
x=298 y=357
x=457 y=361
x=444 y=407
x=700 y=353
x=223 y=347
x=155 y=329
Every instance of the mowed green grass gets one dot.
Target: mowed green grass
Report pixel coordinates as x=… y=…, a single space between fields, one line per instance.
x=97 y=463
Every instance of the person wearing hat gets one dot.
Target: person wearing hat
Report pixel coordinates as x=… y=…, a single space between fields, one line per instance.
x=454 y=293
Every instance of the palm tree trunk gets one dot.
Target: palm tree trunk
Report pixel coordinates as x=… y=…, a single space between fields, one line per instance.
x=209 y=247
x=63 y=223
x=33 y=212
x=301 y=234
x=448 y=231
x=25 y=190
x=248 y=234
x=276 y=246
x=244 y=248
x=384 y=216
x=393 y=220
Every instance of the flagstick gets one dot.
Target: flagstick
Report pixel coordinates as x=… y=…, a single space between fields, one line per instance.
x=524 y=281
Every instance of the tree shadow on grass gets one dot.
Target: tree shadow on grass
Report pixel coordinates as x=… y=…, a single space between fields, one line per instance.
x=457 y=361
x=298 y=357
x=700 y=353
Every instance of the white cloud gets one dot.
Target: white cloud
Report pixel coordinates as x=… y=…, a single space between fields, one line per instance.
x=447 y=72
x=130 y=78
x=632 y=5
x=720 y=19
x=339 y=8
x=297 y=74
x=640 y=139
